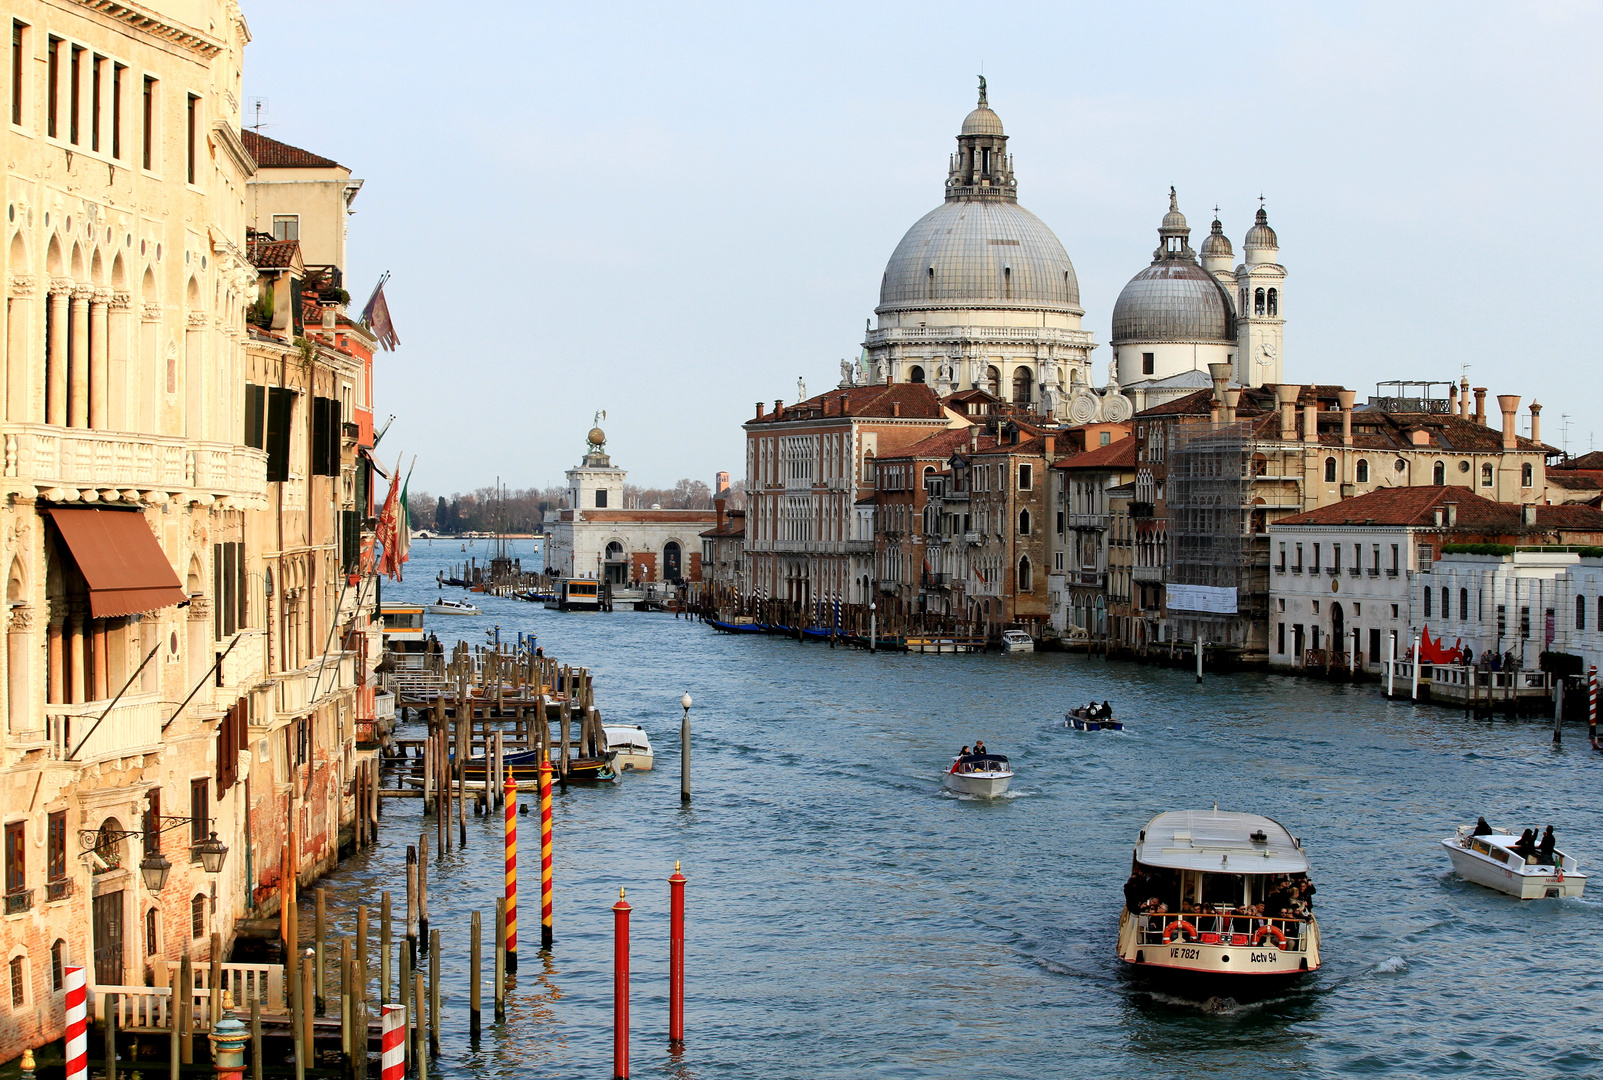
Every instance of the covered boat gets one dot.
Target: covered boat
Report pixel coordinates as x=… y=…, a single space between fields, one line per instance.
x=1220 y=899
x=1490 y=859
x=1017 y=641
x=985 y=775
x=630 y=747
x=442 y=606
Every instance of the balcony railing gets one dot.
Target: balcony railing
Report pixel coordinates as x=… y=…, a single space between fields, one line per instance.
x=59 y=889
x=19 y=901
x=971 y=538
x=120 y=460
x=131 y=727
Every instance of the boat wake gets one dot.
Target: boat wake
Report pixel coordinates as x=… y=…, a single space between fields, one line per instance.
x=1390 y=966
x=1009 y=794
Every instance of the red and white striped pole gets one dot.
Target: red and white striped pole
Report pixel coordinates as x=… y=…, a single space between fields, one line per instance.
x=77 y=1036
x=620 y=988
x=1591 y=703
x=676 y=959
x=392 y=1043
x=511 y=791
x=547 y=928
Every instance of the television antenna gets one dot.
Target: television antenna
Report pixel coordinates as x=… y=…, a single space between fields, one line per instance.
x=258 y=105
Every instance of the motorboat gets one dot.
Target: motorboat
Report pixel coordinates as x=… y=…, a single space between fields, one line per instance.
x=1090 y=718
x=576 y=594
x=1221 y=901
x=630 y=746
x=445 y=606
x=1017 y=641
x=982 y=775
x=1489 y=859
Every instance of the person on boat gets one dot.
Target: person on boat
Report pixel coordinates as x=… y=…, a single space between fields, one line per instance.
x=979 y=747
x=1107 y=710
x=1481 y=828
x=1544 y=850
x=1526 y=844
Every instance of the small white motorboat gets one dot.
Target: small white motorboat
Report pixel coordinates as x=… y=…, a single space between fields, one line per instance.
x=983 y=775
x=1490 y=860
x=443 y=606
x=631 y=745
x=1017 y=641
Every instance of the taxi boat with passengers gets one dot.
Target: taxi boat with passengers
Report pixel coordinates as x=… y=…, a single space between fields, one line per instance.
x=1219 y=898
x=1492 y=859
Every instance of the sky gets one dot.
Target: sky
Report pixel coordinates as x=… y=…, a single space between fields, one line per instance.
x=671 y=212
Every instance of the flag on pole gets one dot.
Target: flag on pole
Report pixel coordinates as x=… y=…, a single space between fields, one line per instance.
x=403 y=524
x=376 y=316
x=386 y=532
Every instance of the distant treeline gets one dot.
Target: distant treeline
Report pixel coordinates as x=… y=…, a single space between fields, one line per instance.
x=522 y=510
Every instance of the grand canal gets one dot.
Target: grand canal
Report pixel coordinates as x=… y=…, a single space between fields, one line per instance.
x=849 y=919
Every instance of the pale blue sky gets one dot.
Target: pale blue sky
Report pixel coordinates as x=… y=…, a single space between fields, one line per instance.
x=672 y=212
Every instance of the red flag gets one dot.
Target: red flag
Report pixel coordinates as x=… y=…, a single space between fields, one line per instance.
x=377 y=317
x=388 y=521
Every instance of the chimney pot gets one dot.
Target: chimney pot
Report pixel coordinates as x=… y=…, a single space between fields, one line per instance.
x=896 y=408
x=1346 y=398
x=1310 y=423
x=759 y=410
x=1528 y=513
x=1286 y=397
x=1232 y=402
x=1439 y=517
x=1051 y=445
x=1536 y=422
x=1480 y=405
x=1510 y=406
x=1452 y=513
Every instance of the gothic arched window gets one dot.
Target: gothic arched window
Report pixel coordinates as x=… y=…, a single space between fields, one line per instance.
x=1257 y=302
x=1025 y=583
x=1024 y=523
x=1274 y=301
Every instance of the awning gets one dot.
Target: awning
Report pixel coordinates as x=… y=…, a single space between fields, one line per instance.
x=118 y=556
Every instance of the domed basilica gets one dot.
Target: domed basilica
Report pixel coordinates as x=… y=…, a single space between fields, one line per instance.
x=981 y=294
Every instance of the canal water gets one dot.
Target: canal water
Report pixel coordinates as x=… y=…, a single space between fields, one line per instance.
x=848 y=918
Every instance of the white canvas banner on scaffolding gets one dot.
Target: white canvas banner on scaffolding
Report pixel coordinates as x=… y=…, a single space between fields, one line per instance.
x=1208 y=598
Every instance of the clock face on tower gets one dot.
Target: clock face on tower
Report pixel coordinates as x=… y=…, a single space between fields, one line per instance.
x=1267 y=349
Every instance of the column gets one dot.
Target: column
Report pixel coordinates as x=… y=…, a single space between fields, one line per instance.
x=19 y=335
x=56 y=354
x=56 y=692
x=195 y=382
x=78 y=362
x=152 y=373
x=102 y=657
x=19 y=702
x=120 y=383
x=99 y=366
x=74 y=661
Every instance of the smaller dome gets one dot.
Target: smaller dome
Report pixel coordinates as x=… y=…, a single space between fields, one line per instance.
x=1173 y=300
x=1216 y=243
x=982 y=121
x=1261 y=235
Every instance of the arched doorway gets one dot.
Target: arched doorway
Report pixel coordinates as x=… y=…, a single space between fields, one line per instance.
x=617 y=564
x=993 y=381
x=1338 y=633
x=915 y=374
x=671 y=562
x=1022 y=385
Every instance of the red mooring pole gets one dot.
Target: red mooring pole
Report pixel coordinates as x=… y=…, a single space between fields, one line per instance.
x=511 y=791
x=1591 y=704
x=676 y=959
x=547 y=930
x=620 y=988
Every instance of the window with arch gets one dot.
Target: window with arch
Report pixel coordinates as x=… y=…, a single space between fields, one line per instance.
x=1257 y=302
x=152 y=936
x=929 y=284
x=1527 y=474
x=1025 y=575
x=1330 y=470
x=1024 y=523
x=915 y=374
x=1580 y=613
x=58 y=964
x=1428 y=594
x=1447 y=607
x=1361 y=473
x=1486 y=475
x=19 y=981
x=1438 y=473
x=993 y=381
x=1022 y=384
x=1463 y=605
x=1274 y=301
x=197 y=916
x=1007 y=283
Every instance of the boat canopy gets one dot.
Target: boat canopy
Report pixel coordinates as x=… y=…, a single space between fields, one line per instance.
x=1220 y=842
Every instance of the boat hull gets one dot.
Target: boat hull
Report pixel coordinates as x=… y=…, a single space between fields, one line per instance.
x=1236 y=967
x=979 y=785
x=1527 y=883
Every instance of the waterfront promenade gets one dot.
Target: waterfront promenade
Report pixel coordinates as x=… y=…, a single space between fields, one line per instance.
x=849 y=919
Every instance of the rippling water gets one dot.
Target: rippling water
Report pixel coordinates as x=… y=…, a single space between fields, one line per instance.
x=848 y=918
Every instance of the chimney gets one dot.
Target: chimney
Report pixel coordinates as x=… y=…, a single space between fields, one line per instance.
x=1480 y=405
x=896 y=408
x=973 y=438
x=1528 y=513
x=1232 y=402
x=1536 y=422
x=1310 y=423
x=1220 y=373
x=779 y=407
x=1286 y=396
x=1452 y=514
x=759 y=410
x=1438 y=517
x=1510 y=405
x=1051 y=448
x=1463 y=397
x=718 y=505
x=1346 y=398
x=845 y=405
x=1452 y=399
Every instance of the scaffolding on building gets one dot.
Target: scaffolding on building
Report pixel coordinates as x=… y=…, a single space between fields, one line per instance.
x=1209 y=492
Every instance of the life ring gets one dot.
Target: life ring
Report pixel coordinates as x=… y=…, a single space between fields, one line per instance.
x=1280 y=936
x=1178 y=924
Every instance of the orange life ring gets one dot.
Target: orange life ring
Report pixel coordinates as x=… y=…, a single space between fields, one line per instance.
x=1270 y=928
x=1178 y=924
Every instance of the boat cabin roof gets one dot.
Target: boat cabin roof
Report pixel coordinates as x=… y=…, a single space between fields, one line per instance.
x=1220 y=842
x=975 y=759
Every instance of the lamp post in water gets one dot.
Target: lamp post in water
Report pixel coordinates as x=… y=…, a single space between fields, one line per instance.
x=684 y=750
x=871 y=626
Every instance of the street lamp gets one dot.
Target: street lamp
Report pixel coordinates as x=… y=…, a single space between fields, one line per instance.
x=154 y=868
x=684 y=750
x=872 y=629
x=212 y=852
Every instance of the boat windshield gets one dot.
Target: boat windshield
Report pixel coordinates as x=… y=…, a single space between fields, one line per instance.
x=982 y=763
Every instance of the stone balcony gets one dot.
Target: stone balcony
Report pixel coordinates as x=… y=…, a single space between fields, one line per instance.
x=72 y=734
x=79 y=464
x=299 y=692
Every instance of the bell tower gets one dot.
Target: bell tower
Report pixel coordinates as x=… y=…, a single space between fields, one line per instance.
x=1260 y=306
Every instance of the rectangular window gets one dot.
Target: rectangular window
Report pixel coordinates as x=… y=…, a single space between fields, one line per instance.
x=325 y=437
x=52 y=85
x=1148 y=363
x=16 y=858
x=1024 y=478
x=1297 y=569
x=1427 y=556
x=17 y=66
x=152 y=939
x=116 y=109
x=1525 y=623
x=1394 y=561
x=1313 y=567
x=601 y=498
x=153 y=821
x=1282 y=557
x=225 y=598
x=148 y=134
x=1335 y=558
x=286 y=226
x=74 y=92
x=1502 y=621
x=280 y=414
x=95 y=65
x=199 y=809
x=1280 y=642
x=56 y=846
x=192 y=118
x=255 y=418
x=197 y=916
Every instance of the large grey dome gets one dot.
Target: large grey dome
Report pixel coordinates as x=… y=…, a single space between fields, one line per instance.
x=986 y=253
x=1173 y=300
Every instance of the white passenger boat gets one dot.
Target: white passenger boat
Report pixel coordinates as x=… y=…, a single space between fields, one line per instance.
x=443 y=606
x=1017 y=641
x=984 y=775
x=581 y=594
x=1490 y=859
x=631 y=745
x=1221 y=900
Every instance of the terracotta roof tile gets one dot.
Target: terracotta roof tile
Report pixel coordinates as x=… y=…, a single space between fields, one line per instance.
x=1115 y=455
x=272 y=154
x=916 y=400
x=1417 y=506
